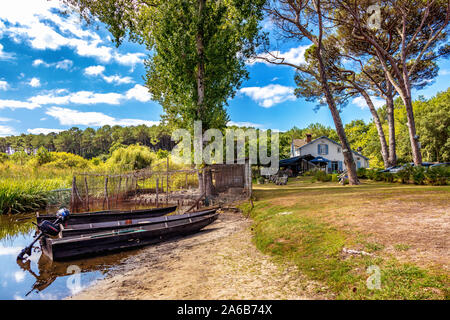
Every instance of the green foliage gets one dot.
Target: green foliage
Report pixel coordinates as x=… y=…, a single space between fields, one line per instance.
x=43 y=156
x=131 y=158
x=321 y=176
x=3 y=157
x=418 y=175
x=362 y=173
x=405 y=174
x=438 y=176
x=18 y=196
x=67 y=160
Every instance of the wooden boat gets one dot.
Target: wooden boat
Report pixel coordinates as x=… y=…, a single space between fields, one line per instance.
x=105 y=216
x=80 y=229
x=98 y=243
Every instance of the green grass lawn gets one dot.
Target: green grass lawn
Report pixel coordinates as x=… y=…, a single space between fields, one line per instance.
x=310 y=224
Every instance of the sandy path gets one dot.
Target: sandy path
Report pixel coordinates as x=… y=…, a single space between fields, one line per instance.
x=218 y=263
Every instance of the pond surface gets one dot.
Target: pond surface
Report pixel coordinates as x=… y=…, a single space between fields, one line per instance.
x=38 y=277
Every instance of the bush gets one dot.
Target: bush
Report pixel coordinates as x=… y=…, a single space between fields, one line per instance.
x=362 y=173
x=387 y=176
x=437 y=176
x=65 y=160
x=133 y=157
x=334 y=177
x=405 y=174
x=43 y=156
x=322 y=176
x=374 y=174
x=418 y=175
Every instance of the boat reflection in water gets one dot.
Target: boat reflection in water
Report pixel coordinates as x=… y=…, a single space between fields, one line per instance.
x=48 y=272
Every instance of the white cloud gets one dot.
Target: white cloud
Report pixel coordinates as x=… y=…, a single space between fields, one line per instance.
x=5 y=55
x=98 y=71
x=43 y=130
x=65 y=64
x=71 y=117
x=295 y=56
x=117 y=79
x=129 y=59
x=244 y=124
x=2 y=119
x=38 y=23
x=80 y=97
x=94 y=70
x=361 y=102
x=139 y=93
x=35 y=82
x=269 y=95
x=4 y=85
x=15 y=104
x=6 y=131
x=63 y=97
x=444 y=72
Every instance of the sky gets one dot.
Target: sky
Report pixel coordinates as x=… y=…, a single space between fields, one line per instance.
x=57 y=73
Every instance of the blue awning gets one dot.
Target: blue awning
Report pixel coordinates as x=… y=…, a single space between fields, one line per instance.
x=320 y=159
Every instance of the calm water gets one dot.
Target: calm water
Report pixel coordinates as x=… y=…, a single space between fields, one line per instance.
x=38 y=277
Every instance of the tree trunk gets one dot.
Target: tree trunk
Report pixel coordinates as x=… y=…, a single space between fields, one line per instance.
x=391 y=123
x=201 y=60
x=416 y=154
x=413 y=138
x=346 y=151
x=376 y=120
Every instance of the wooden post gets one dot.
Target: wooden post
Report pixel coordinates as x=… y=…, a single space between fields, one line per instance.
x=106 y=193
x=87 y=194
x=72 y=199
x=186 y=181
x=167 y=181
x=157 y=183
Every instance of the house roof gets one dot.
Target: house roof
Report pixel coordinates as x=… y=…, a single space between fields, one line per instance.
x=324 y=137
x=299 y=143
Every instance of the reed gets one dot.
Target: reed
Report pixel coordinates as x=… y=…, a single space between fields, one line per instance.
x=21 y=196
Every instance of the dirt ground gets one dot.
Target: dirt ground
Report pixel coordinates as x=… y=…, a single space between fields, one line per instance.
x=221 y=262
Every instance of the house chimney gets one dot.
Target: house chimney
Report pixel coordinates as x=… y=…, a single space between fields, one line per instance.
x=308 y=138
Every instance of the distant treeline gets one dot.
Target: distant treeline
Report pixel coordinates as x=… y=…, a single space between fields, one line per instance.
x=90 y=142
x=432 y=122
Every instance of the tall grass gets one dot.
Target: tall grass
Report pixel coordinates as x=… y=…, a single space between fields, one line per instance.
x=20 y=196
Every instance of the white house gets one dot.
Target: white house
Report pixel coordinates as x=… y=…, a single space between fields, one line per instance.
x=326 y=153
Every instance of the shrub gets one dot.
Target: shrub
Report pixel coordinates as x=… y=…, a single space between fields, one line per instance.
x=65 y=160
x=361 y=173
x=418 y=175
x=374 y=174
x=404 y=174
x=387 y=176
x=437 y=176
x=3 y=157
x=133 y=157
x=334 y=177
x=43 y=156
x=322 y=176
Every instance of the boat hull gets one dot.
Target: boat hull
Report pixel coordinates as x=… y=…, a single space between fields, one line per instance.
x=102 y=216
x=75 y=247
x=84 y=229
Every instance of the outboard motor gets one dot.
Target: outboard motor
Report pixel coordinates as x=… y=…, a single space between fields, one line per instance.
x=47 y=228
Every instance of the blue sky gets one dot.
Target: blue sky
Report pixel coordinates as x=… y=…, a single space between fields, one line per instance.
x=56 y=73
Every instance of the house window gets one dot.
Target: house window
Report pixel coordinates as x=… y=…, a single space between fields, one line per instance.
x=322 y=149
x=339 y=149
